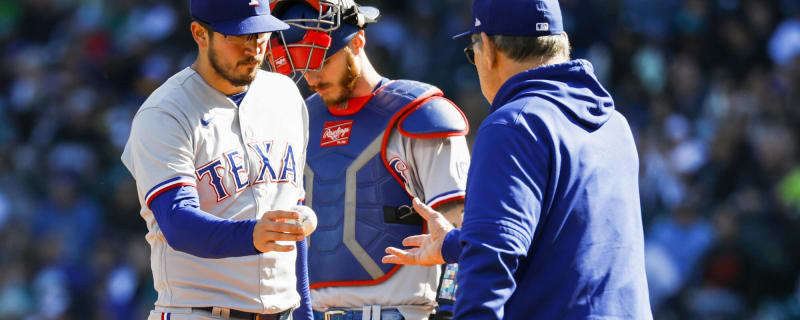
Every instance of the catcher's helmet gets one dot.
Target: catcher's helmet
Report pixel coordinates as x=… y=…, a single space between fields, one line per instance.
x=318 y=28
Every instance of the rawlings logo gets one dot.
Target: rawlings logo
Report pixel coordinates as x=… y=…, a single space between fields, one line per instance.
x=280 y=62
x=254 y=3
x=336 y=133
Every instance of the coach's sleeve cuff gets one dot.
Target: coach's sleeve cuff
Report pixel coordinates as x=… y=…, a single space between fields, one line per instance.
x=451 y=248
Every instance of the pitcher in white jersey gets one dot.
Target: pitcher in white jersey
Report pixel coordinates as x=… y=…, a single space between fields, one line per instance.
x=218 y=154
x=374 y=144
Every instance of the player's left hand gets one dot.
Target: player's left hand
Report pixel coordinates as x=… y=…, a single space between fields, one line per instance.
x=427 y=248
x=273 y=228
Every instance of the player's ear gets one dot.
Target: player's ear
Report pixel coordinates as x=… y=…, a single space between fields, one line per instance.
x=358 y=42
x=488 y=51
x=200 y=34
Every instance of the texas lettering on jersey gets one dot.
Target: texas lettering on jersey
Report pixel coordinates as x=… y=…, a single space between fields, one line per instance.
x=232 y=163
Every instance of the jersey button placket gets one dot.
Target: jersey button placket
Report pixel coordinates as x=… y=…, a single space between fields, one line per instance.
x=245 y=135
x=253 y=160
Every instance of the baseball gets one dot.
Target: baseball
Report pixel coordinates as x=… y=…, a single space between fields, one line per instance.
x=308 y=219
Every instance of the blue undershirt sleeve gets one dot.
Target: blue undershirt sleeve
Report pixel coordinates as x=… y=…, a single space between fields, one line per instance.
x=303 y=312
x=191 y=230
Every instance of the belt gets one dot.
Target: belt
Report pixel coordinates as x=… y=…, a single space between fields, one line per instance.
x=441 y=315
x=357 y=314
x=236 y=314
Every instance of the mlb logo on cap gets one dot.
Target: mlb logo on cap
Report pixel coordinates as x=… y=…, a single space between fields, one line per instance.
x=542 y=26
x=516 y=18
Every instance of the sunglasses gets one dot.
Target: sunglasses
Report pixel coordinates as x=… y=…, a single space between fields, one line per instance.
x=242 y=40
x=470 y=52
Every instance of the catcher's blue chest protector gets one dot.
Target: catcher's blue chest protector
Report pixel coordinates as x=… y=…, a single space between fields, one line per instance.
x=350 y=187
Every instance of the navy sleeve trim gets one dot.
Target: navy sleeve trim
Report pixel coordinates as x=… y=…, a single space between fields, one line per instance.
x=167 y=185
x=446 y=197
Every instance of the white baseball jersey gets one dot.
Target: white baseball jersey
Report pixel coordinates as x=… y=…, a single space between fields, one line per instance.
x=435 y=170
x=243 y=160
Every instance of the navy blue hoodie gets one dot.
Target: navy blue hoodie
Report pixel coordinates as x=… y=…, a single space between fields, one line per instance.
x=552 y=224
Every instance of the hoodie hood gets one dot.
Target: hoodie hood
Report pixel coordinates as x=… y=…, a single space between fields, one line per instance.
x=572 y=86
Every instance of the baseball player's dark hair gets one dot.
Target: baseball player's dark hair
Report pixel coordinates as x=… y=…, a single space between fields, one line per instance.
x=524 y=48
x=206 y=26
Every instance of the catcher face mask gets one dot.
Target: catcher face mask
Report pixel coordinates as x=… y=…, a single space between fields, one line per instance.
x=318 y=29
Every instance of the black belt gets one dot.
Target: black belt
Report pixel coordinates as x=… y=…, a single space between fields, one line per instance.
x=253 y=316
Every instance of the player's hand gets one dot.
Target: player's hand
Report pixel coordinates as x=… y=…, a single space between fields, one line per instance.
x=427 y=248
x=272 y=227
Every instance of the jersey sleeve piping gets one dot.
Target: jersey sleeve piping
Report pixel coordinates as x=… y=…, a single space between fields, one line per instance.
x=167 y=185
x=446 y=197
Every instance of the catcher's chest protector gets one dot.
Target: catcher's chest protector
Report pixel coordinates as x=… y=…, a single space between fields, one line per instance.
x=350 y=187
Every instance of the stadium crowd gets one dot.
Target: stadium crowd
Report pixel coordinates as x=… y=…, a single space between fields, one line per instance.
x=711 y=88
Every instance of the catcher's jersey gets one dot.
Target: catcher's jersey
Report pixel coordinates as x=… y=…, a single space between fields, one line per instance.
x=243 y=160
x=435 y=170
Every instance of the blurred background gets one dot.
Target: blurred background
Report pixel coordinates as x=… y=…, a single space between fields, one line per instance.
x=710 y=87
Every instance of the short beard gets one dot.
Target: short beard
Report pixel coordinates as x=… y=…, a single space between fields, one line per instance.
x=347 y=81
x=227 y=73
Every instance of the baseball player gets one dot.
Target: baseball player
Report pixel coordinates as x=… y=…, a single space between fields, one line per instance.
x=218 y=154
x=374 y=143
x=552 y=222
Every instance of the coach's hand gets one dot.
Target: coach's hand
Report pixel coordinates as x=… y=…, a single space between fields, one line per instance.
x=272 y=227
x=427 y=249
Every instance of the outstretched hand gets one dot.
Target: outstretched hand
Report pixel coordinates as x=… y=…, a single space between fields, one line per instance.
x=273 y=228
x=427 y=248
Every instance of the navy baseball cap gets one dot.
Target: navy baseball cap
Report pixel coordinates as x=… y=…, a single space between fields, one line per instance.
x=302 y=11
x=236 y=17
x=342 y=36
x=515 y=18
